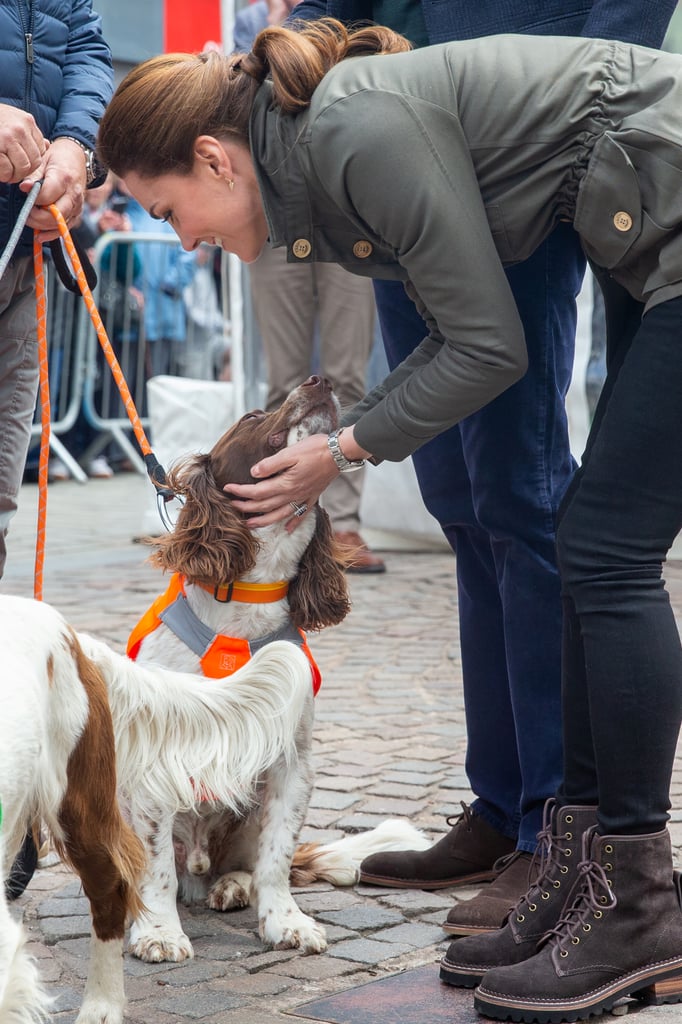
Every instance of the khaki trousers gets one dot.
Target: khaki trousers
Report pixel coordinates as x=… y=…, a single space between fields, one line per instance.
x=18 y=384
x=290 y=300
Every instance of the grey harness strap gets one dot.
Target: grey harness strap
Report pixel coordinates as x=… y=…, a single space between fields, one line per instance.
x=189 y=628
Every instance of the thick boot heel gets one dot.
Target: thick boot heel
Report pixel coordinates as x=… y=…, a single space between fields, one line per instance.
x=665 y=990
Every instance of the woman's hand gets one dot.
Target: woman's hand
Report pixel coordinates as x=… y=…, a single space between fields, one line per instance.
x=297 y=474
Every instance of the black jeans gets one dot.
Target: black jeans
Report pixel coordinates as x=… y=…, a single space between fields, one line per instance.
x=622 y=660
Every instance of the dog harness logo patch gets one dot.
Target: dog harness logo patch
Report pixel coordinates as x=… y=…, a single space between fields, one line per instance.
x=220 y=655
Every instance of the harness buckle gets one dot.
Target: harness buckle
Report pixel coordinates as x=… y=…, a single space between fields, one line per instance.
x=228 y=593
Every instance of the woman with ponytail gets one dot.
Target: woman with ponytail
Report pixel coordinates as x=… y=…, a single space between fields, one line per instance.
x=438 y=167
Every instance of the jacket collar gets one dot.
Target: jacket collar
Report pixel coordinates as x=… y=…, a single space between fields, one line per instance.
x=277 y=161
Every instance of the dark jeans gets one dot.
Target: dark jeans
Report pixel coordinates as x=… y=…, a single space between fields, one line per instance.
x=494 y=483
x=622 y=690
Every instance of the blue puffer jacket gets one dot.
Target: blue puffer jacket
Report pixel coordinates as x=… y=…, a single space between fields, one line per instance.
x=66 y=85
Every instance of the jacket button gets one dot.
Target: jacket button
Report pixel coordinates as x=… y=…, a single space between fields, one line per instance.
x=362 y=249
x=301 y=248
x=622 y=221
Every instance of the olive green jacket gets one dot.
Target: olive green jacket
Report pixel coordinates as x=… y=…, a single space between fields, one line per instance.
x=438 y=167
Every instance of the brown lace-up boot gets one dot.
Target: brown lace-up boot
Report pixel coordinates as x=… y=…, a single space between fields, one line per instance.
x=557 y=859
x=464 y=856
x=619 y=935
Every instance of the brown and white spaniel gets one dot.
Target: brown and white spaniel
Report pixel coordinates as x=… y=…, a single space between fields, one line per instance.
x=235 y=591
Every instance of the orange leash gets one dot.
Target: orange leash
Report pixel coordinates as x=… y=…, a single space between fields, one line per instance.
x=154 y=469
x=45 y=413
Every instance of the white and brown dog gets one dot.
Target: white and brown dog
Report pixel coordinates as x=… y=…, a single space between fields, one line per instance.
x=235 y=591
x=57 y=764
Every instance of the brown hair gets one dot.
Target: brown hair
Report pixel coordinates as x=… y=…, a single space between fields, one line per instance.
x=165 y=103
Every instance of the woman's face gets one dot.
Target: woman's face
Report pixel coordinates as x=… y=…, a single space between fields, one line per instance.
x=202 y=206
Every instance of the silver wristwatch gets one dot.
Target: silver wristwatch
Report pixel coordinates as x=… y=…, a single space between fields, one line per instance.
x=343 y=464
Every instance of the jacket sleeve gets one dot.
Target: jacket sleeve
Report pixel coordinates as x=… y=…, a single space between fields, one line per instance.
x=87 y=76
x=631 y=21
x=402 y=168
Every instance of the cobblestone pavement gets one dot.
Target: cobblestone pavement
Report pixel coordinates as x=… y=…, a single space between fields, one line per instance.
x=389 y=741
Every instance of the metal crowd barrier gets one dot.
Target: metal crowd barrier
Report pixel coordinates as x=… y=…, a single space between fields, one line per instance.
x=211 y=328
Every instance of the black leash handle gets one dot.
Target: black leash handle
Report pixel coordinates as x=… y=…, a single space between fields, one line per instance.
x=63 y=267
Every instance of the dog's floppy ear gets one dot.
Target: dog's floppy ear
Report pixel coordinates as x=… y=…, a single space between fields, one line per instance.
x=318 y=596
x=210 y=543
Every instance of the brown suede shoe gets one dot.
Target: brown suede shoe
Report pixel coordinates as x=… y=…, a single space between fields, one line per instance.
x=358 y=555
x=464 y=856
x=489 y=910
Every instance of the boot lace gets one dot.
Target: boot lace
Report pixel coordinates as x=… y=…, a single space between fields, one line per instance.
x=466 y=816
x=590 y=896
x=546 y=862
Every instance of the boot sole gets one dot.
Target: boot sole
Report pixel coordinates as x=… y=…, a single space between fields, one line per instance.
x=424 y=884
x=459 y=978
x=653 y=984
x=470 y=929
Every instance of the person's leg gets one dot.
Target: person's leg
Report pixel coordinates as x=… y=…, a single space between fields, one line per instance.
x=18 y=384
x=284 y=307
x=622 y=315
x=621 y=932
x=619 y=521
x=518 y=456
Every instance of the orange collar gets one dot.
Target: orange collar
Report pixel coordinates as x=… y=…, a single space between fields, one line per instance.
x=253 y=593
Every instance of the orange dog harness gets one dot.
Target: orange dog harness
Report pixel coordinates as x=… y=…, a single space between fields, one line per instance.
x=219 y=655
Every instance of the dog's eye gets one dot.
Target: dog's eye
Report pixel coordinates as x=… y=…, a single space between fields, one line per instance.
x=257 y=414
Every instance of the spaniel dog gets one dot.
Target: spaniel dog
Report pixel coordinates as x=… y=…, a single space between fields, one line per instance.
x=57 y=764
x=235 y=591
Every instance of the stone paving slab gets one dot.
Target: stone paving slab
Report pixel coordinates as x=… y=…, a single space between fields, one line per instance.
x=389 y=739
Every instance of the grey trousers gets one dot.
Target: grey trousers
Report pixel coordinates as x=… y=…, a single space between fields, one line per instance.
x=18 y=384
x=290 y=300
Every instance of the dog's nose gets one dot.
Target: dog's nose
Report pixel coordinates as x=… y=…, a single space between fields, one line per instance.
x=314 y=381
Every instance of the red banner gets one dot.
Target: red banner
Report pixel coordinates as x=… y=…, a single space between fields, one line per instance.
x=191 y=25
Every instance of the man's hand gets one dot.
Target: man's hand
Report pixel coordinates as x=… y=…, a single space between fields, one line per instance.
x=22 y=145
x=64 y=175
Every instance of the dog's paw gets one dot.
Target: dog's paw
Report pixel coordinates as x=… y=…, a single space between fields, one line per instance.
x=96 y=1012
x=293 y=930
x=230 y=891
x=157 y=946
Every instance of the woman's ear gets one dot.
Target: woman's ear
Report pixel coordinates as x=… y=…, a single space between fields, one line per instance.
x=211 y=153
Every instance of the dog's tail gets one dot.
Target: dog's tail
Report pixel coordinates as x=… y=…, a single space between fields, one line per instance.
x=339 y=862
x=179 y=735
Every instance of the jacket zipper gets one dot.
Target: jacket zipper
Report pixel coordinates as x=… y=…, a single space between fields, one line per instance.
x=27 y=29
x=27 y=24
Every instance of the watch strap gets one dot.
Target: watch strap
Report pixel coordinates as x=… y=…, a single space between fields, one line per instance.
x=91 y=169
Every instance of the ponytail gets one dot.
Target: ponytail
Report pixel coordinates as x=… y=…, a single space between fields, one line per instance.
x=297 y=61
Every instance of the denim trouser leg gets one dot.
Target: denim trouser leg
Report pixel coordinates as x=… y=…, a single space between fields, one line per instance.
x=622 y=512
x=18 y=384
x=494 y=484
